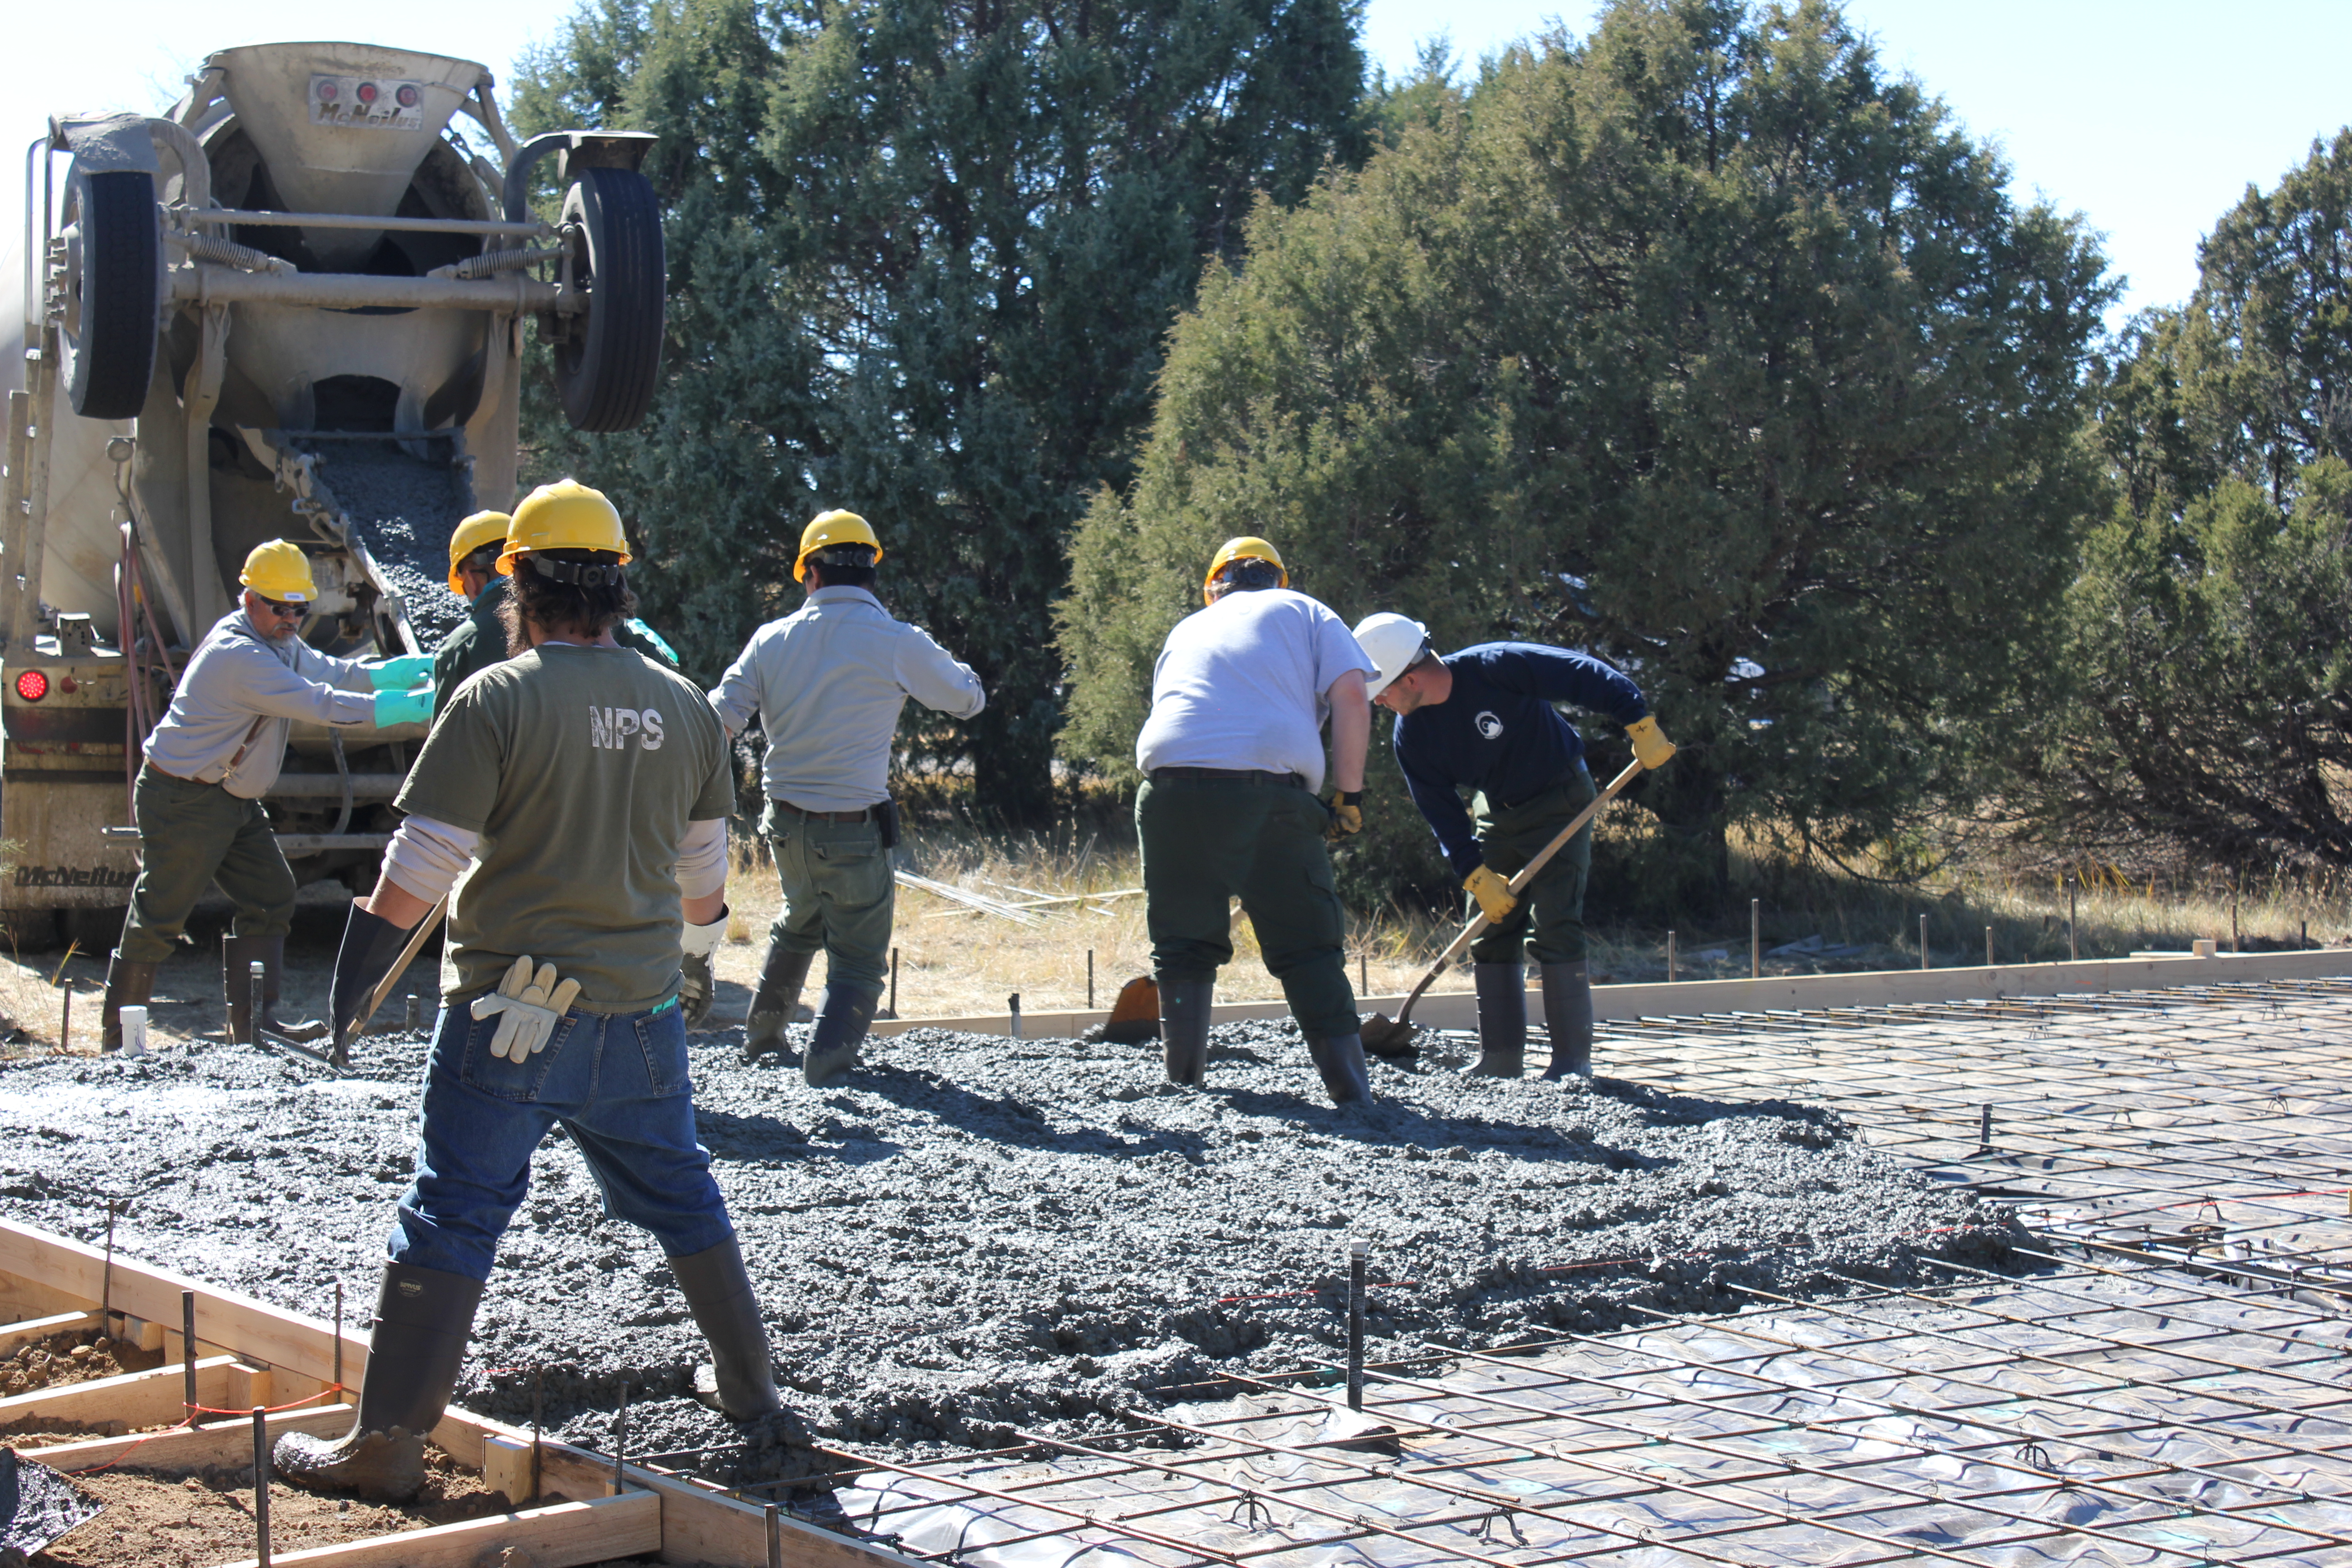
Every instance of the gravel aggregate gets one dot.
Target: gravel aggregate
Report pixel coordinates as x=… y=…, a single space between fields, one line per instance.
x=977 y=1233
x=405 y=509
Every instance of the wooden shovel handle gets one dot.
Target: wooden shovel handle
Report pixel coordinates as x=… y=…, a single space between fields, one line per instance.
x=1526 y=873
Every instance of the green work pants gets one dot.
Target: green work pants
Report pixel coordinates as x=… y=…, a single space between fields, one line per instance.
x=839 y=895
x=1206 y=841
x=191 y=834
x=1549 y=921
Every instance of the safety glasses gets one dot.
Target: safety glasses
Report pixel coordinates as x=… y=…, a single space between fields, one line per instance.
x=284 y=612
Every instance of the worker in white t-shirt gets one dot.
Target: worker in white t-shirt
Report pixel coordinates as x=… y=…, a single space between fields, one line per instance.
x=1233 y=759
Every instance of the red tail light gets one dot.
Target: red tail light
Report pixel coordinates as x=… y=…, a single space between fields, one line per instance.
x=32 y=684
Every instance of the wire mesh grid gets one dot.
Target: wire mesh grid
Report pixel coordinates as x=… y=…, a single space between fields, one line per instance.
x=2168 y=1384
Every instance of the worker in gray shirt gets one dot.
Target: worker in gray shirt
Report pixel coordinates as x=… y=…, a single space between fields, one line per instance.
x=209 y=760
x=827 y=683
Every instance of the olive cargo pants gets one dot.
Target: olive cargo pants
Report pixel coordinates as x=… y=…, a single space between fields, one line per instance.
x=840 y=895
x=1549 y=921
x=1206 y=841
x=191 y=834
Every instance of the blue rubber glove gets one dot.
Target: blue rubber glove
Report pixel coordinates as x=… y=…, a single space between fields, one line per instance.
x=400 y=673
x=413 y=707
x=655 y=638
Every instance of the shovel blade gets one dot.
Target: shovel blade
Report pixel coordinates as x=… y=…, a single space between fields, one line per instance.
x=1385 y=1036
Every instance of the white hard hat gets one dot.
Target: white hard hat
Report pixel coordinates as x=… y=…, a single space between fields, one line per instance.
x=1393 y=642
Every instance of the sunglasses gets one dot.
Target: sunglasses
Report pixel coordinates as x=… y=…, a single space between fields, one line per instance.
x=284 y=612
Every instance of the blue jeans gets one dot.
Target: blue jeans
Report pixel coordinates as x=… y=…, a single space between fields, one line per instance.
x=619 y=1085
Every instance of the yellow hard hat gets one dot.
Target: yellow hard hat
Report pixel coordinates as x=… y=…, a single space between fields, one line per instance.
x=278 y=570
x=565 y=515
x=1249 y=546
x=482 y=528
x=829 y=528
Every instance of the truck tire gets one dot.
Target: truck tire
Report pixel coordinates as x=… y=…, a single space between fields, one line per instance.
x=604 y=369
x=114 y=280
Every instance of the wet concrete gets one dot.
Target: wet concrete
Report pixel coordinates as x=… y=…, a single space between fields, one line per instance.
x=37 y=1506
x=977 y=1233
x=405 y=509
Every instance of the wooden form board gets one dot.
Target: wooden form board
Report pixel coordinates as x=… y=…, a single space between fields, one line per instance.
x=679 y=1520
x=1785 y=993
x=562 y=1536
x=219 y=1443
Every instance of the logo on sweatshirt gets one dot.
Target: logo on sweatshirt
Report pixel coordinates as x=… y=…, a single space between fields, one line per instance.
x=609 y=729
x=1488 y=725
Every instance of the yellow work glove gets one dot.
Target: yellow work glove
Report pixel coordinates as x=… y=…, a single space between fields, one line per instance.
x=1493 y=891
x=1651 y=748
x=1347 y=809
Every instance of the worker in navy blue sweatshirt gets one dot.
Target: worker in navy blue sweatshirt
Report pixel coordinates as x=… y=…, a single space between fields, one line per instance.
x=1482 y=719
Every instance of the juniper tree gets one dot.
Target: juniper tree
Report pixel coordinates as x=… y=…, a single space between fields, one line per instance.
x=1705 y=345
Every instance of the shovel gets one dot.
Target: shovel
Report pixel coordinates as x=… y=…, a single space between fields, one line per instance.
x=1386 y=1037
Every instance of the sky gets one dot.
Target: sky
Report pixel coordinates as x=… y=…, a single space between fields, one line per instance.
x=2149 y=116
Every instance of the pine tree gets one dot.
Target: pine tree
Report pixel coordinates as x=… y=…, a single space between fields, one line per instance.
x=923 y=257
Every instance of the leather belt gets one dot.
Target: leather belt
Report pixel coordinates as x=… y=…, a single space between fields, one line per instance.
x=1252 y=775
x=861 y=815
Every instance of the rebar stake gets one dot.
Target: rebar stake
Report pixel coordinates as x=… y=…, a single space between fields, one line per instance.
x=1090 y=980
x=415 y=1012
x=775 y=1537
x=1755 y=938
x=620 y=1438
x=188 y=1348
x=2074 y=954
x=257 y=982
x=1357 y=1250
x=1013 y=1007
x=261 y=1487
x=1670 y=958
x=1988 y=947
x=1923 y=941
x=105 y=1280
x=537 y=1405
x=894 y=982
x=1984 y=1130
x=338 y=1337
x=65 y=1021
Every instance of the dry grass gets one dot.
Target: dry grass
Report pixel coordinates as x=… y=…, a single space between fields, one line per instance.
x=955 y=961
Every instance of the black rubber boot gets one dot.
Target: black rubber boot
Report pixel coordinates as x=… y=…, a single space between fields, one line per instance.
x=840 y=1030
x=1184 y=1002
x=128 y=984
x=1340 y=1060
x=781 y=975
x=421 y=1318
x=1502 y=1020
x=1568 y=1014
x=741 y=1382
x=238 y=955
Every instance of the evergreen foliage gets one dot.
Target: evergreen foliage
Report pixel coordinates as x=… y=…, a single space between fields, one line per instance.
x=1704 y=344
x=923 y=254
x=2206 y=698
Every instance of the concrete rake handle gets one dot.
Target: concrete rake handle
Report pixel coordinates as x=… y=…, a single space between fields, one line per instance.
x=1527 y=874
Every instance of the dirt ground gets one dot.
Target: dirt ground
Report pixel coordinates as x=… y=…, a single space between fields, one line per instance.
x=181 y=1519
x=65 y=1359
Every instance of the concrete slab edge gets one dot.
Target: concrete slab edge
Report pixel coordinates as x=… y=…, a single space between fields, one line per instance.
x=1774 y=993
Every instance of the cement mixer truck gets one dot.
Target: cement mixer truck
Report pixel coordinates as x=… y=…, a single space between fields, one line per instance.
x=292 y=306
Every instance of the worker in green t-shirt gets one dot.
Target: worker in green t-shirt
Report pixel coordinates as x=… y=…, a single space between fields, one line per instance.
x=583 y=791
x=479 y=640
